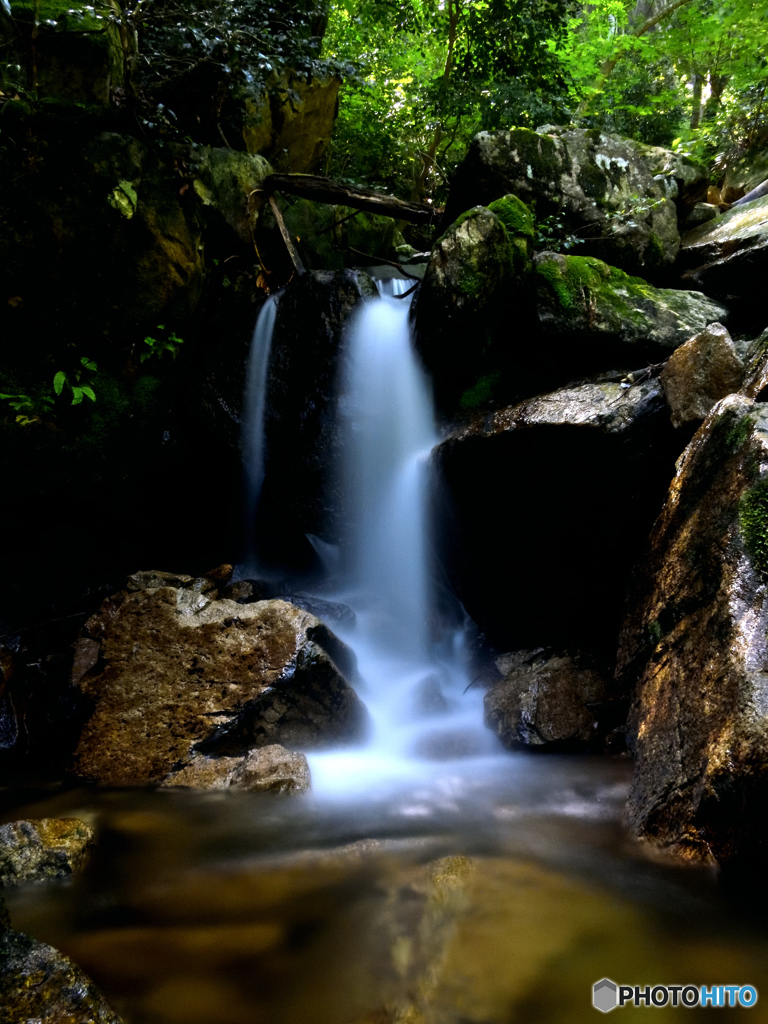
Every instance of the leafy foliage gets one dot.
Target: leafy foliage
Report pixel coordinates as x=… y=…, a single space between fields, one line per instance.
x=78 y=382
x=160 y=346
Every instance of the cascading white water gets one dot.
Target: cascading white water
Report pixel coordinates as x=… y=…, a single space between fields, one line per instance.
x=413 y=682
x=253 y=418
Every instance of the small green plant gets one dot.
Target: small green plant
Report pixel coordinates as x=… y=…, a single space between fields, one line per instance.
x=28 y=408
x=78 y=383
x=552 y=236
x=159 y=346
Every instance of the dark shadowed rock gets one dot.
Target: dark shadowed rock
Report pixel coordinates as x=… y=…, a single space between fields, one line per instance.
x=595 y=316
x=180 y=671
x=35 y=850
x=546 y=701
x=756 y=373
x=694 y=652
x=611 y=192
x=551 y=500
x=727 y=258
x=271 y=769
x=37 y=983
x=701 y=372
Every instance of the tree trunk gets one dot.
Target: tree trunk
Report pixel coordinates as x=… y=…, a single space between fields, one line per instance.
x=324 y=190
x=697 y=81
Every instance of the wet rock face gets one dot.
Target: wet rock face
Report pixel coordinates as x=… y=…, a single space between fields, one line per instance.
x=546 y=701
x=700 y=373
x=550 y=500
x=302 y=428
x=595 y=316
x=693 y=648
x=175 y=670
x=32 y=851
x=39 y=983
x=610 y=190
x=271 y=769
x=727 y=257
x=476 y=271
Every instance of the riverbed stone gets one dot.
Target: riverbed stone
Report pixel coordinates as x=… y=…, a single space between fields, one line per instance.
x=43 y=848
x=727 y=258
x=595 y=316
x=181 y=671
x=604 y=188
x=37 y=983
x=546 y=700
x=271 y=769
x=693 y=648
x=701 y=372
x=549 y=501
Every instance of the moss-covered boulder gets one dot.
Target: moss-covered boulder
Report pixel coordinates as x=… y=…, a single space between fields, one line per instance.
x=476 y=276
x=595 y=316
x=604 y=188
x=728 y=257
x=67 y=51
x=171 y=671
x=693 y=649
x=43 y=848
x=549 y=500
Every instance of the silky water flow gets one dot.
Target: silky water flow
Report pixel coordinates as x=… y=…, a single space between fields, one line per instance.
x=427 y=720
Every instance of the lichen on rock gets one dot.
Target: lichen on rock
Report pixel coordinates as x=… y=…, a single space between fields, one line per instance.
x=44 y=848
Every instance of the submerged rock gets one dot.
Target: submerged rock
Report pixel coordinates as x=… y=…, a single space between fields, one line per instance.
x=693 y=648
x=728 y=257
x=701 y=372
x=547 y=701
x=596 y=316
x=39 y=849
x=175 y=670
x=37 y=983
x=612 y=193
x=271 y=769
x=475 y=276
x=550 y=501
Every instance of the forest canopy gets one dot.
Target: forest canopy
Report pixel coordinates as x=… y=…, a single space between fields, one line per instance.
x=428 y=74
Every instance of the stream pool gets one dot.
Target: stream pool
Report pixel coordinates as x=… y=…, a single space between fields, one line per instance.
x=495 y=891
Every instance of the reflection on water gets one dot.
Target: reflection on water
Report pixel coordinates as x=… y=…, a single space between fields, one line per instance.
x=442 y=902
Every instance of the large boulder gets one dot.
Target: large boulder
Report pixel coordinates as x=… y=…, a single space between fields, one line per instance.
x=727 y=257
x=546 y=701
x=693 y=649
x=475 y=276
x=43 y=848
x=550 y=499
x=271 y=769
x=746 y=171
x=172 y=670
x=701 y=372
x=595 y=316
x=602 y=187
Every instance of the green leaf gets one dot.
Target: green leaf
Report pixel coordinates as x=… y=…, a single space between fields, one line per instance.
x=88 y=392
x=77 y=396
x=59 y=381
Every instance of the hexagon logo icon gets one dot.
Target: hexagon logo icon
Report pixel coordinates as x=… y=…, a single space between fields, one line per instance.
x=604 y=995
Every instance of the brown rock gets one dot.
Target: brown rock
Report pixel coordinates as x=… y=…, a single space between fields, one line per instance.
x=694 y=650
x=181 y=672
x=545 y=700
x=700 y=373
x=32 y=851
x=730 y=193
x=713 y=195
x=270 y=769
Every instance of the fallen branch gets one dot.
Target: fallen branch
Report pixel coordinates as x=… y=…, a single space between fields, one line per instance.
x=324 y=190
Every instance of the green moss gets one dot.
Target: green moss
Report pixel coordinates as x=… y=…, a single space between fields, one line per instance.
x=655 y=632
x=540 y=152
x=55 y=10
x=656 y=251
x=593 y=180
x=480 y=393
x=753 y=521
x=514 y=215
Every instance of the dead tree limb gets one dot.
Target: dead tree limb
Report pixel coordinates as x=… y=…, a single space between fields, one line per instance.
x=325 y=190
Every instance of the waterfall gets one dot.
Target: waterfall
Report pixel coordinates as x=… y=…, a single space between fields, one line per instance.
x=412 y=672
x=253 y=419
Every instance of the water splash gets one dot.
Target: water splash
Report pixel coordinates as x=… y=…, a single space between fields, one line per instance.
x=253 y=420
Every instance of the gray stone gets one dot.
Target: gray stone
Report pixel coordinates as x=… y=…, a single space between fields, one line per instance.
x=702 y=213
x=271 y=769
x=701 y=372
